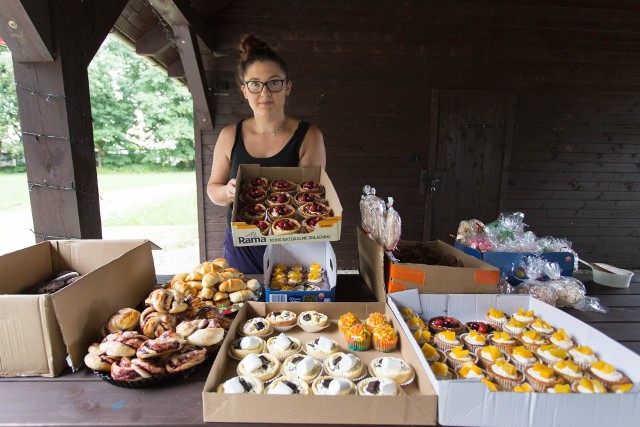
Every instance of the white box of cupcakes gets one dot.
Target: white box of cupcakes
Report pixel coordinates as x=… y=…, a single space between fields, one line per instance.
x=275 y=205
x=549 y=368
x=291 y=363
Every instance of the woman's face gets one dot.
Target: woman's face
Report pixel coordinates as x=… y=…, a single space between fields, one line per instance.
x=265 y=102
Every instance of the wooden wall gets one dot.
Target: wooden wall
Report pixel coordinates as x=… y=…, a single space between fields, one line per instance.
x=364 y=71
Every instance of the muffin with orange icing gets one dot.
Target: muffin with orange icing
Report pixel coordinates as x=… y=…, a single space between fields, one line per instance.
x=607 y=374
x=522 y=357
x=432 y=354
x=560 y=388
x=532 y=340
x=470 y=371
x=541 y=377
x=544 y=328
x=525 y=316
x=488 y=355
x=583 y=356
x=423 y=336
x=588 y=386
x=385 y=338
x=474 y=340
x=505 y=374
x=346 y=321
x=358 y=337
x=496 y=317
x=523 y=388
x=502 y=340
x=562 y=340
x=514 y=327
x=568 y=370
x=458 y=356
x=446 y=340
x=551 y=353
x=442 y=371
x=375 y=319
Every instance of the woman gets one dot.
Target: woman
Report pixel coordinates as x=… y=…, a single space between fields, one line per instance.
x=269 y=138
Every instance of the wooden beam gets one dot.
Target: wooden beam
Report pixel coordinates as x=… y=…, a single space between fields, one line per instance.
x=180 y=12
x=175 y=69
x=187 y=44
x=153 y=42
x=25 y=26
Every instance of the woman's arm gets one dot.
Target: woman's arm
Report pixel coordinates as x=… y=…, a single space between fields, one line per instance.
x=219 y=188
x=312 y=150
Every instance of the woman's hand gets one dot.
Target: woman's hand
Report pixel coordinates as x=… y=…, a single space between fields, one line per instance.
x=231 y=189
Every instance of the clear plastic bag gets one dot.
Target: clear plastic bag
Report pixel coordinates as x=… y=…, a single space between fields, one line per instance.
x=535 y=284
x=571 y=291
x=392 y=227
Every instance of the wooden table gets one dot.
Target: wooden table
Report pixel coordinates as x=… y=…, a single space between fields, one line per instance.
x=81 y=398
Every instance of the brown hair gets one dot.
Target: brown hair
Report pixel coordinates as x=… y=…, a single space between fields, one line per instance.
x=255 y=50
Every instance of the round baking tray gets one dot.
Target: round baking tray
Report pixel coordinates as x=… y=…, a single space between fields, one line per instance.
x=147 y=382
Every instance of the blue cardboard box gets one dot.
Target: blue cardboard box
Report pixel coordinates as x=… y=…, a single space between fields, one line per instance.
x=509 y=262
x=301 y=253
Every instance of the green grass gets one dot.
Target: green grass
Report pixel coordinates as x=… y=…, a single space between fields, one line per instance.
x=178 y=210
x=109 y=181
x=14 y=190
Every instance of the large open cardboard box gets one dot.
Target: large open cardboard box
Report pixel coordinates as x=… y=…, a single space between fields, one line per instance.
x=418 y=406
x=465 y=403
x=37 y=332
x=326 y=230
x=383 y=275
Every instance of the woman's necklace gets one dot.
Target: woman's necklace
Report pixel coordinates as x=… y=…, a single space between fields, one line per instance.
x=276 y=129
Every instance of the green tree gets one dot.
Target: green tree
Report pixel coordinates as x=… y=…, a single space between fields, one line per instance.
x=10 y=140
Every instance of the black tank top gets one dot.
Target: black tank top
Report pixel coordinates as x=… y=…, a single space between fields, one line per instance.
x=288 y=156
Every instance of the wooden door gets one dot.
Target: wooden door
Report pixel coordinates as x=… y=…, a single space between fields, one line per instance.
x=469 y=148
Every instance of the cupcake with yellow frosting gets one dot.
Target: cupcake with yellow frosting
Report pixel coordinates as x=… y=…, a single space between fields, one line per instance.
x=314 y=277
x=583 y=356
x=532 y=340
x=525 y=316
x=522 y=357
x=607 y=374
x=568 y=370
x=542 y=327
x=523 y=388
x=560 y=388
x=432 y=354
x=562 y=340
x=514 y=327
x=358 y=337
x=385 y=338
x=294 y=277
x=375 y=319
x=470 y=371
x=458 y=356
x=551 y=353
x=346 y=321
x=588 y=386
x=488 y=355
x=541 y=377
x=622 y=388
x=474 y=340
x=502 y=340
x=423 y=336
x=496 y=317
x=505 y=374
x=442 y=371
x=446 y=340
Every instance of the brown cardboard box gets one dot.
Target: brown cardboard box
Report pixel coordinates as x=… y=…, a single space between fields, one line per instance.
x=418 y=406
x=327 y=230
x=37 y=332
x=472 y=276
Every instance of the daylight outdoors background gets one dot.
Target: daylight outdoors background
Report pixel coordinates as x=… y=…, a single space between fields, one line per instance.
x=143 y=134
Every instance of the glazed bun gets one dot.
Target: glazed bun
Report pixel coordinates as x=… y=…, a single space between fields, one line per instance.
x=125 y=319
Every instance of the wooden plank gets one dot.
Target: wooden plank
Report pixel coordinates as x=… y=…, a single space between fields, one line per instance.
x=153 y=42
x=181 y=12
x=25 y=27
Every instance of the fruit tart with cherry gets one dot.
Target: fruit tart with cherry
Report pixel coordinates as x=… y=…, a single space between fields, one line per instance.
x=306 y=197
x=281 y=211
x=278 y=199
x=254 y=211
x=285 y=226
x=445 y=323
x=311 y=187
x=282 y=185
x=258 y=182
x=314 y=209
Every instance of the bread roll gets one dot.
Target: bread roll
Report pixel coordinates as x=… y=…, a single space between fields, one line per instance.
x=194 y=275
x=221 y=262
x=184 y=288
x=240 y=296
x=196 y=284
x=232 y=285
x=178 y=277
x=218 y=296
x=234 y=272
x=125 y=319
x=210 y=280
x=253 y=285
x=206 y=293
x=223 y=303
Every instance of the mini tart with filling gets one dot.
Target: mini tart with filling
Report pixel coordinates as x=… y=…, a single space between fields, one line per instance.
x=311 y=187
x=474 y=340
x=278 y=199
x=306 y=197
x=329 y=386
x=551 y=353
x=568 y=370
x=321 y=347
x=282 y=185
x=446 y=340
x=514 y=327
x=521 y=357
x=607 y=374
x=445 y=323
x=302 y=366
x=588 y=386
x=283 y=346
x=313 y=318
x=254 y=211
x=562 y=339
x=541 y=377
x=345 y=365
x=423 y=336
x=263 y=226
x=560 y=388
x=379 y=386
x=502 y=340
x=254 y=195
x=314 y=209
x=391 y=367
x=488 y=355
x=432 y=354
x=288 y=385
x=542 y=327
x=258 y=182
x=583 y=356
x=458 y=356
x=267 y=369
x=523 y=388
x=470 y=371
x=280 y=211
x=257 y=326
x=442 y=372
x=311 y=222
x=241 y=385
x=496 y=317
x=532 y=340
x=240 y=349
x=285 y=226
x=524 y=316
x=282 y=318
x=505 y=374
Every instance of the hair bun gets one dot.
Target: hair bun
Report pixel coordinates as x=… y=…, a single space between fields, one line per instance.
x=249 y=45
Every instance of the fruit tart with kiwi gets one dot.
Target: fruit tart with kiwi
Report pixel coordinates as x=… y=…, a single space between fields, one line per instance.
x=278 y=199
x=285 y=226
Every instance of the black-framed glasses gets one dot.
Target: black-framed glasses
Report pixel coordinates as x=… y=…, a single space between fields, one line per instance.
x=255 y=86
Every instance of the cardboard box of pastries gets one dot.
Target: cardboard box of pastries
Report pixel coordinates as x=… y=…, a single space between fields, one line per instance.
x=449 y=269
x=327 y=228
x=43 y=333
x=469 y=402
x=417 y=405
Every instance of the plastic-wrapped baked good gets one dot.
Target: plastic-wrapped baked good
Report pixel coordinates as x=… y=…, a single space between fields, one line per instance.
x=392 y=227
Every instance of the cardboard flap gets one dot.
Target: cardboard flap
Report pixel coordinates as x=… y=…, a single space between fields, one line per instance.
x=94 y=296
x=19 y=270
x=371 y=264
